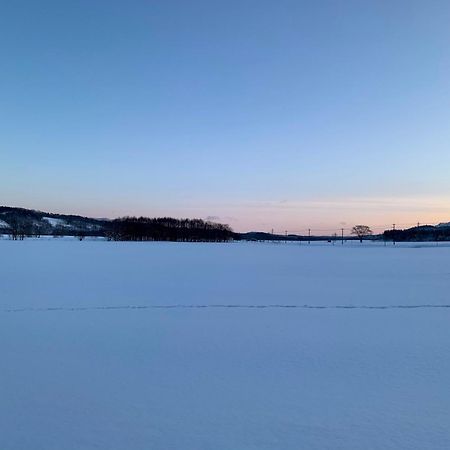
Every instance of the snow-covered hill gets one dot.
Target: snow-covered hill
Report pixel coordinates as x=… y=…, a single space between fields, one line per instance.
x=32 y=222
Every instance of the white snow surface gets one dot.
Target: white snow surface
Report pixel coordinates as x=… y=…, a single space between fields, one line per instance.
x=56 y=222
x=3 y=224
x=104 y=346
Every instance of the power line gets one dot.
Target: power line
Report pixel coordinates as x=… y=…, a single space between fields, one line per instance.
x=320 y=231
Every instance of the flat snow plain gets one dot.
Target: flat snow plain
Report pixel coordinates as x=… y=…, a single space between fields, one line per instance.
x=104 y=345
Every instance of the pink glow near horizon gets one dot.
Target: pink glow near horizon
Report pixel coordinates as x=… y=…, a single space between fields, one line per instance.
x=321 y=216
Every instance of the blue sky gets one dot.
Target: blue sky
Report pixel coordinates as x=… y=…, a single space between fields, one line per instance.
x=262 y=114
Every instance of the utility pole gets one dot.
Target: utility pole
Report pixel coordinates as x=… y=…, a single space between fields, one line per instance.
x=393 y=237
x=309 y=235
x=342 y=236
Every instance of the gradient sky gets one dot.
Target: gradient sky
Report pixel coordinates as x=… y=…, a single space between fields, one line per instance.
x=262 y=114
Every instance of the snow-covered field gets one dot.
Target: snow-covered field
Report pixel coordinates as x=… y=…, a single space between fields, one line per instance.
x=103 y=345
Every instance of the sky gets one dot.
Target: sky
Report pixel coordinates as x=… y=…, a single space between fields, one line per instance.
x=280 y=114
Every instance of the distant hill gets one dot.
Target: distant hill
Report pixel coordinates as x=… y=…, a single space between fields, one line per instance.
x=27 y=222
x=439 y=232
x=263 y=236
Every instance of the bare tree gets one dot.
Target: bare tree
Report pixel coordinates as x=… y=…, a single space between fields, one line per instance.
x=361 y=231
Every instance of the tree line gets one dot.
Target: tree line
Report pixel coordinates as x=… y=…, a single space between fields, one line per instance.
x=420 y=233
x=168 y=229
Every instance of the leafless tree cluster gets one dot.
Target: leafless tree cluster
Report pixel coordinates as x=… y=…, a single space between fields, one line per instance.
x=168 y=229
